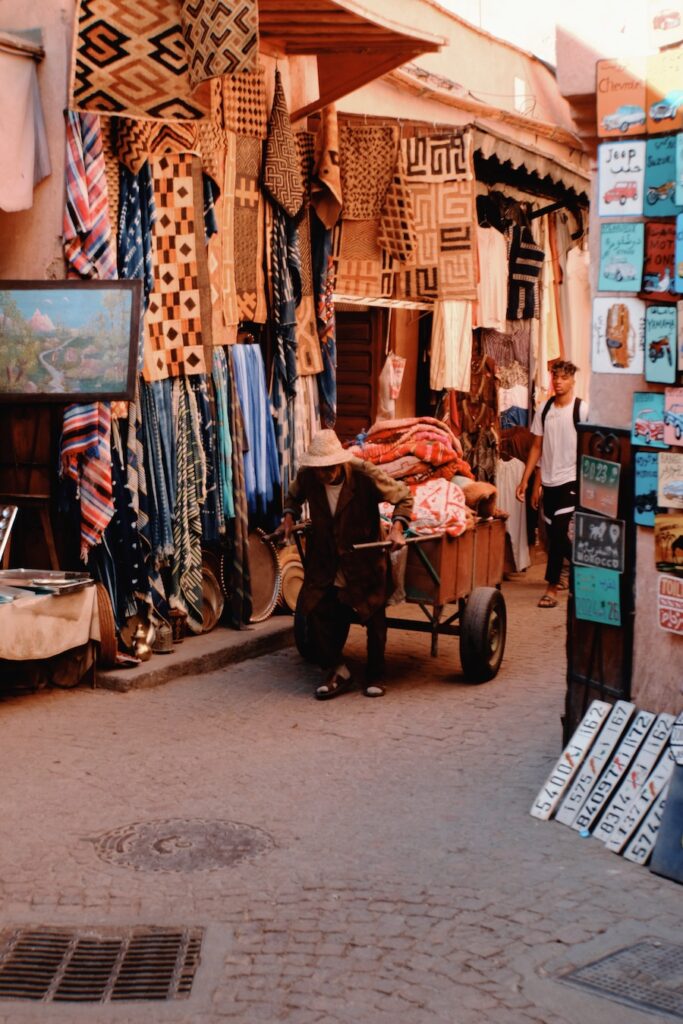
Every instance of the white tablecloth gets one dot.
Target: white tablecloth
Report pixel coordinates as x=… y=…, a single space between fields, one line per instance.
x=40 y=626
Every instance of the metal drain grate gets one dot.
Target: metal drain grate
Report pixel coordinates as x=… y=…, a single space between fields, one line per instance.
x=648 y=975
x=104 y=965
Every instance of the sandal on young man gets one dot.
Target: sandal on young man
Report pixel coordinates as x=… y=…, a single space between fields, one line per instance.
x=334 y=686
x=373 y=690
x=547 y=602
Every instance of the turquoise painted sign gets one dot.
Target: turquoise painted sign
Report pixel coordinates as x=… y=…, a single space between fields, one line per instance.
x=660 y=344
x=596 y=595
x=622 y=248
x=660 y=177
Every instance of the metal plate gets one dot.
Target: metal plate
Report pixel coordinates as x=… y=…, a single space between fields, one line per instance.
x=98 y=965
x=648 y=976
x=182 y=845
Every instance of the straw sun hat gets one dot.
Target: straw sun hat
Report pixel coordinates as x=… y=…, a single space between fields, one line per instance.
x=325 y=450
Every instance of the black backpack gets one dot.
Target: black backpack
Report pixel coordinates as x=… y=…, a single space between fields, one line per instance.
x=551 y=401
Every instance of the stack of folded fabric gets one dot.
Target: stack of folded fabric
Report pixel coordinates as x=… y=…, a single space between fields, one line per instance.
x=414 y=450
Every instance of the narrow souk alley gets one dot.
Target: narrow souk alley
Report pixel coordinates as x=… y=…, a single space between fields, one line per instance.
x=351 y=862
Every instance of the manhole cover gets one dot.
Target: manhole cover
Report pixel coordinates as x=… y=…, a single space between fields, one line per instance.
x=98 y=965
x=182 y=845
x=648 y=975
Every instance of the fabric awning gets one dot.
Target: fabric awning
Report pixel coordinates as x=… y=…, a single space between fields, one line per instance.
x=494 y=144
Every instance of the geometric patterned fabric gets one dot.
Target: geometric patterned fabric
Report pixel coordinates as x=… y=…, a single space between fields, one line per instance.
x=281 y=170
x=130 y=58
x=367 y=158
x=397 y=222
x=362 y=268
x=221 y=38
x=249 y=226
x=239 y=103
x=173 y=330
x=221 y=255
x=438 y=157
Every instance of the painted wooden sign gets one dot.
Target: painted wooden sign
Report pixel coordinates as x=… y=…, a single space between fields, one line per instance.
x=670 y=492
x=670 y=604
x=594 y=762
x=621 y=97
x=673 y=416
x=643 y=763
x=622 y=249
x=659 y=267
x=664 y=95
x=647 y=427
x=618 y=335
x=599 y=485
x=646 y=484
x=597 y=595
x=678 y=256
x=669 y=542
x=621 y=178
x=679 y=317
x=614 y=773
x=677 y=739
x=599 y=541
x=667 y=855
x=665 y=23
x=660 y=344
x=648 y=793
x=660 y=177
x=569 y=760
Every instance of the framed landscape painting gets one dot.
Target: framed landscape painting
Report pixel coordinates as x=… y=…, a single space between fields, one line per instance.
x=69 y=341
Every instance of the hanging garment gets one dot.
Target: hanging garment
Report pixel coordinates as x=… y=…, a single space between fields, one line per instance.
x=186 y=569
x=249 y=231
x=397 y=233
x=492 y=290
x=213 y=524
x=87 y=232
x=525 y=264
x=224 y=440
x=508 y=476
x=367 y=158
x=390 y=379
x=578 y=302
x=261 y=466
x=497 y=345
x=86 y=458
x=206 y=22
x=24 y=157
x=323 y=289
x=281 y=169
x=159 y=448
x=236 y=575
x=326 y=193
x=137 y=214
x=451 y=350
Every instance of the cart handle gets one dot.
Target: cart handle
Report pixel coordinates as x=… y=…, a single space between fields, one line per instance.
x=388 y=543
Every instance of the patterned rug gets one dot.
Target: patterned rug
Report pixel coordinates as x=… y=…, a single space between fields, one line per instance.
x=221 y=38
x=249 y=230
x=173 y=332
x=239 y=102
x=397 y=232
x=367 y=160
x=221 y=254
x=362 y=268
x=281 y=169
x=130 y=58
x=135 y=141
x=438 y=157
x=445 y=257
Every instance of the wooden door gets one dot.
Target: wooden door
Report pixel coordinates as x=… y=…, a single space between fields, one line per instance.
x=357 y=370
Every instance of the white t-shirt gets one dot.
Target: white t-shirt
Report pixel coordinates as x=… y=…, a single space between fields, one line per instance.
x=558 y=459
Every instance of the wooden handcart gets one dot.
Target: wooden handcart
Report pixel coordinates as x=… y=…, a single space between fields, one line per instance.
x=442 y=572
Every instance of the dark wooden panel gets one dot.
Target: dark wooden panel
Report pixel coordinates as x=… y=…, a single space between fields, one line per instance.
x=357 y=371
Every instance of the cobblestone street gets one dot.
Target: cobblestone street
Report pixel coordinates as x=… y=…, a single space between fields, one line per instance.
x=402 y=880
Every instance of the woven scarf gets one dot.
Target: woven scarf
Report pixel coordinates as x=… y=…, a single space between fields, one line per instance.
x=261 y=465
x=213 y=525
x=86 y=458
x=237 y=578
x=326 y=191
x=87 y=233
x=160 y=484
x=525 y=265
x=186 y=570
x=281 y=169
x=323 y=287
x=221 y=387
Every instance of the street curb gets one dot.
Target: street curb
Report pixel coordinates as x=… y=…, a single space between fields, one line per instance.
x=201 y=654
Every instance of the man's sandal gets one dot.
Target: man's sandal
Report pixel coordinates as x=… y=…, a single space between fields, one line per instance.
x=334 y=686
x=547 y=602
x=373 y=690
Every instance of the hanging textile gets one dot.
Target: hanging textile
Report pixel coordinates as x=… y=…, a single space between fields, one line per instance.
x=173 y=326
x=220 y=38
x=323 y=286
x=87 y=232
x=241 y=103
x=525 y=264
x=362 y=268
x=24 y=156
x=130 y=58
x=86 y=458
x=492 y=290
x=281 y=169
x=224 y=440
x=249 y=231
x=397 y=233
x=186 y=571
x=451 y=350
x=326 y=193
x=261 y=467
x=308 y=354
x=367 y=158
x=213 y=525
x=159 y=448
x=508 y=475
x=237 y=576
x=221 y=253
x=137 y=214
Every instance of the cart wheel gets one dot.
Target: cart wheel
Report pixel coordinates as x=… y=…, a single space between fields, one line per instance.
x=482 y=634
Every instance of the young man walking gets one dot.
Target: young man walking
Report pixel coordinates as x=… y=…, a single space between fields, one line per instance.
x=554 y=446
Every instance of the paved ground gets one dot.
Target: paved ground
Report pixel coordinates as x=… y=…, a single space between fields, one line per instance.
x=406 y=882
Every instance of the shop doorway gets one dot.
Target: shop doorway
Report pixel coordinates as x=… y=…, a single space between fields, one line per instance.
x=358 y=364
